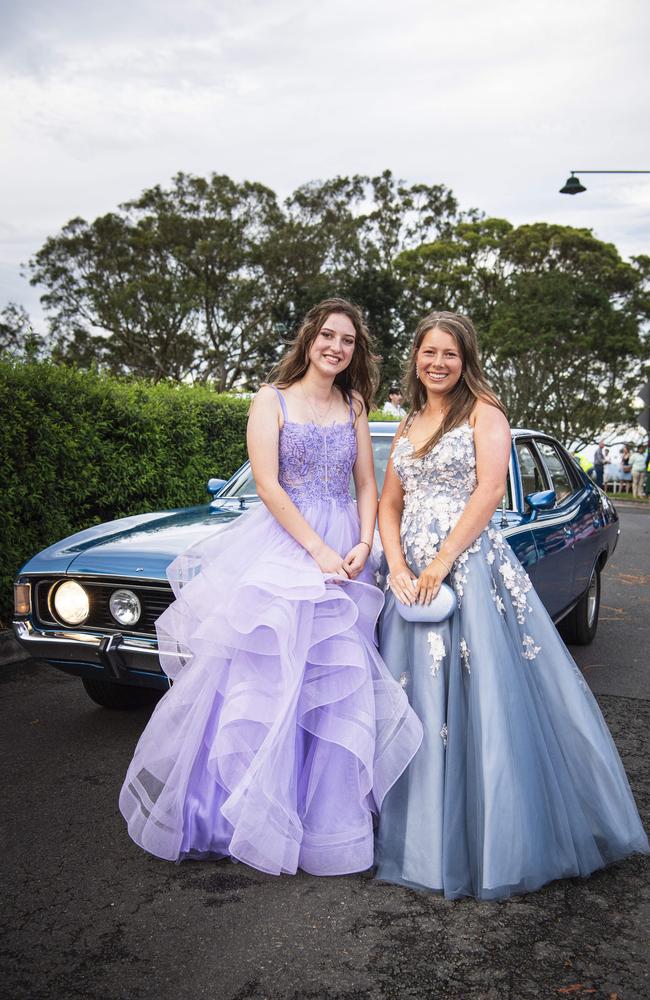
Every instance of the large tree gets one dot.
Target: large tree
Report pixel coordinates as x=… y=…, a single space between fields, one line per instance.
x=348 y=232
x=559 y=313
x=208 y=277
x=171 y=285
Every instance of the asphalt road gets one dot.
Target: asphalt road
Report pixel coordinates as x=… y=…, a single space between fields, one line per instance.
x=85 y=914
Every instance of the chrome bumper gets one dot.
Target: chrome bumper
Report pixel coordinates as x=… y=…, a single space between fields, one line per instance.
x=123 y=659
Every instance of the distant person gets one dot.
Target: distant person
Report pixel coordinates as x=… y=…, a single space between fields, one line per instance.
x=638 y=464
x=626 y=467
x=600 y=458
x=585 y=464
x=394 y=404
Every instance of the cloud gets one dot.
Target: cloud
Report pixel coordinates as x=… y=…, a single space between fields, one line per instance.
x=498 y=101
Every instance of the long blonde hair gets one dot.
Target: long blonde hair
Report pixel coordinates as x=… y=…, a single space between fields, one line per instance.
x=362 y=374
x=471 y=385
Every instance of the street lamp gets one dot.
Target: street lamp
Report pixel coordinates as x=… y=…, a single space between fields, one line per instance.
x=573 y=185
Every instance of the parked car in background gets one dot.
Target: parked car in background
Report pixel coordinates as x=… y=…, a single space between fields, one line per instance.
x=87 y=605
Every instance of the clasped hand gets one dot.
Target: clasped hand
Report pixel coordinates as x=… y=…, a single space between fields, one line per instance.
x=409 y=589
x=347 y=567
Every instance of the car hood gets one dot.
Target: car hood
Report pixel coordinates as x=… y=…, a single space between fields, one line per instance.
x=141 y=546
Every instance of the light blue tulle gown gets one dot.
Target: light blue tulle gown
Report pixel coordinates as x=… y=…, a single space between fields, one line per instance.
x=283 y=730
x=517 y=781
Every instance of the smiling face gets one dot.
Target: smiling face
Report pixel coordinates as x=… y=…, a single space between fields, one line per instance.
x=439 y=361
x=333 y=346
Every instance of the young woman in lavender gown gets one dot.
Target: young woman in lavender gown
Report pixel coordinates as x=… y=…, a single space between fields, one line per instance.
x=517 y=780
x=283 y=730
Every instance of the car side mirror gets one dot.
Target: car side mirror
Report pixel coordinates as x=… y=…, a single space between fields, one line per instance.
x=544 y=500
x=215 y=486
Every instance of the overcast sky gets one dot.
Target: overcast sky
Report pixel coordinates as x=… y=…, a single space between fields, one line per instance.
x=496 y=99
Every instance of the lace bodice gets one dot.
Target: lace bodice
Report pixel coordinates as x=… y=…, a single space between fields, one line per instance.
x=449 y=469
x=436 y=489
x=316 y=462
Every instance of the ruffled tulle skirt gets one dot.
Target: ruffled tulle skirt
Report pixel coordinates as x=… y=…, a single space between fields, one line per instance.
x=517 y=781
x=283 y=730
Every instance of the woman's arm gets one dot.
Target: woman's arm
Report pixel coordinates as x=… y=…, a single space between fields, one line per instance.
x=366 y=489
x=263 y=439
x=390 y=516
x=492 y=442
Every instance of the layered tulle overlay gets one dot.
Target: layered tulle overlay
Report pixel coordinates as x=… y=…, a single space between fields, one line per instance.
x=283 y=730
x=517 y=781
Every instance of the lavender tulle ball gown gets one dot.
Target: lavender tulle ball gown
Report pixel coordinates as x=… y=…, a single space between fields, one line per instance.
x=517 y=780
x=283 y=730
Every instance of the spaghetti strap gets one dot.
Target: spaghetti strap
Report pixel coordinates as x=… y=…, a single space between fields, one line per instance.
x=405 y=429
x=351 y=410
x=282 y=402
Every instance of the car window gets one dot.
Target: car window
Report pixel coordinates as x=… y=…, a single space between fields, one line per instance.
x=506 y=500
x=381 y=445
x=558 y=471
x=532 y=474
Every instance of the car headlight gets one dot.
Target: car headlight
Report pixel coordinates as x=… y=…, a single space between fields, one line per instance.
x=125 y=607
x=71 y=603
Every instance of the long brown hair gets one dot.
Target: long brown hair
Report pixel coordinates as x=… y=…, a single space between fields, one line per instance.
x=471 y=385
x=362 y=374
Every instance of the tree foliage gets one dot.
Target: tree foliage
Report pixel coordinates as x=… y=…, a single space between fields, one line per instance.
x=18 y=339
x=559 y=313
x=172 y=285
x=207 y=279
x=86 y=448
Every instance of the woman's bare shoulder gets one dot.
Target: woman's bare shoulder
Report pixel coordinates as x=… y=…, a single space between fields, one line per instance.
x=487 y=414
x=358 y=404
x=266 y=399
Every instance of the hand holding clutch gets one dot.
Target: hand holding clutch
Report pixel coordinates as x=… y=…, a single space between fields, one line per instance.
x=442 y=606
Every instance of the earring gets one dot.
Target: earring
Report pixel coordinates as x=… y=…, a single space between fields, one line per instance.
x=417 y=371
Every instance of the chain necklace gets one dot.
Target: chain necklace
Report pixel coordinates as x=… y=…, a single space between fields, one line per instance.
x=440 y=412
x=320 y=418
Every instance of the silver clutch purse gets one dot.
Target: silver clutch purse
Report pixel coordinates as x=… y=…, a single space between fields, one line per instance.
x=442 y=606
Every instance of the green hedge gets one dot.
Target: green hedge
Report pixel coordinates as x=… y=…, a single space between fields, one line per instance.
x=78 y=448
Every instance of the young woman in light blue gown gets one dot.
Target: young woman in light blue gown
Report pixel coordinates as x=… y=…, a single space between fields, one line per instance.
x=283 y=729
x=517 y=781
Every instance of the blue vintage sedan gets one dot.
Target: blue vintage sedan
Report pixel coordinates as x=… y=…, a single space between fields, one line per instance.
x=88 y=604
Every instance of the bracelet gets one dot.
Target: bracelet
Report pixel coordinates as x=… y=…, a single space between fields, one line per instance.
x=362 y=542
x=447 y=567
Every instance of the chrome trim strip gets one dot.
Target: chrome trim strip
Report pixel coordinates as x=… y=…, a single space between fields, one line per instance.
x=84 y=641
x=108 y=580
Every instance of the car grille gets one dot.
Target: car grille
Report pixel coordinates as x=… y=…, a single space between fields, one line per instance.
x=154 y=598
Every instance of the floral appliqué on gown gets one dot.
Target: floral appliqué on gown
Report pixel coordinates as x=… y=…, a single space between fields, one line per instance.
x=517 y=781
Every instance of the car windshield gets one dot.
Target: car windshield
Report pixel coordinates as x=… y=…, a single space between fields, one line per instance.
x=243 y=483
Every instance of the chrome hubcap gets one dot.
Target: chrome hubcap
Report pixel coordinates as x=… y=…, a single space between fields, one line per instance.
x=592 y=598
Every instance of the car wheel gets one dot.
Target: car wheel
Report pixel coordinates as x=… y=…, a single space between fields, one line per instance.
x=580 y=626
x=110 y=695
